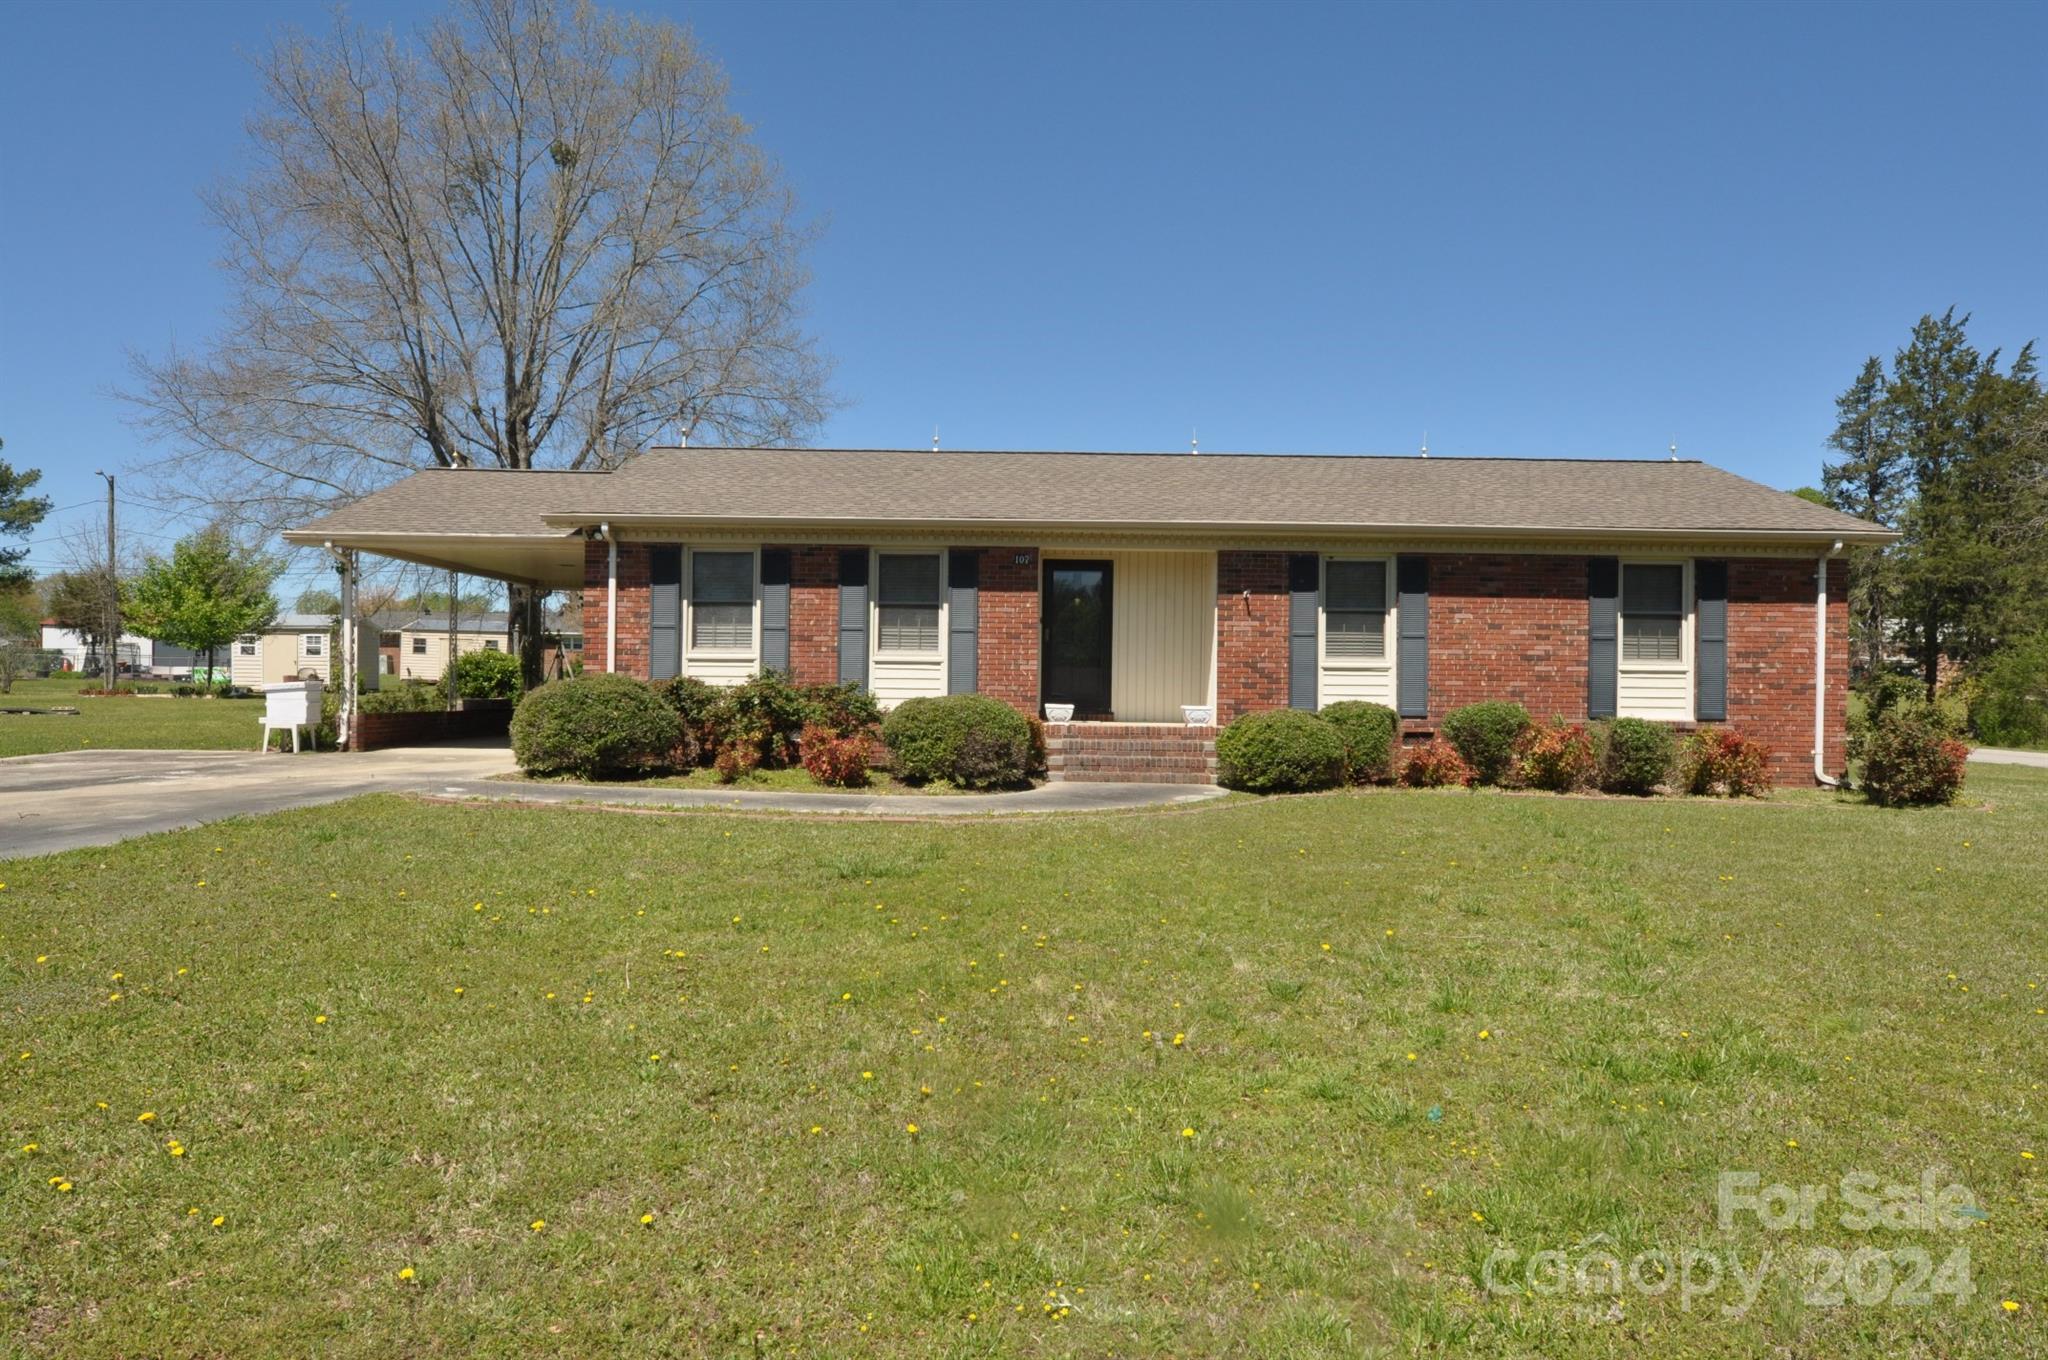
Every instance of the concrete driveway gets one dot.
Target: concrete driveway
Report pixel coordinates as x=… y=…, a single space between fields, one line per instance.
x=1992 y=755
x=74 y=798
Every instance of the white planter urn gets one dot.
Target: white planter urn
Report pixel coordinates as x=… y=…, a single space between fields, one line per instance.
x=1059 y=713
x=1198 y=715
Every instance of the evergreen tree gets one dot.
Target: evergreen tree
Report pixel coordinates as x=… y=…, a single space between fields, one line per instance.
x=19 y=513
x=1870 y=480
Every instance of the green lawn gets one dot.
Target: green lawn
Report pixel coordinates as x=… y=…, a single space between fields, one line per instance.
x=137 y=723
x=1273 y=1078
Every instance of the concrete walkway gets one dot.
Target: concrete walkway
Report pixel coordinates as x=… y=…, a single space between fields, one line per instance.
x=76 y=798
x=60 y=802
x=1044 y=798
x=1993 y=755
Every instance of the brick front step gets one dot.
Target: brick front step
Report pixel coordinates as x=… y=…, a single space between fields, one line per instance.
x=1114 y=777
x=1136 y=753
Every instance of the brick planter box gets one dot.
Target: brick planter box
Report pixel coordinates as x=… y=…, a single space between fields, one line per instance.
x=476 y=718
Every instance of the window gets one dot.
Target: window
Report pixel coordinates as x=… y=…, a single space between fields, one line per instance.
x=1354 y=610
x=722 y=601
x=312 y=644
x=907 y=603
x=491 y=644
x=419 y=646
x=1652 y=611
x=246 y=644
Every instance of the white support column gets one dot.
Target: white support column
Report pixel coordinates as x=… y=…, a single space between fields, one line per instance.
x=611 y=600
x=346 y=665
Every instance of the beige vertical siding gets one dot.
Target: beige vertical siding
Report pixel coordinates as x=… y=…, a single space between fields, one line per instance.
x=1162 y=633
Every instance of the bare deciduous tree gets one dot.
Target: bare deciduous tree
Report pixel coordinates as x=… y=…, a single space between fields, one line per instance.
x=534 y=236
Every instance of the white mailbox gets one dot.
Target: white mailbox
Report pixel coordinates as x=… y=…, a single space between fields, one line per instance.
x=291 y=706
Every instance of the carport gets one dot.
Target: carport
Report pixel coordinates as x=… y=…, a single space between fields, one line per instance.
x=465 y=521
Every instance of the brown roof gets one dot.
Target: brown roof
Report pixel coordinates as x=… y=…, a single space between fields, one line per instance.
x=1541 y=497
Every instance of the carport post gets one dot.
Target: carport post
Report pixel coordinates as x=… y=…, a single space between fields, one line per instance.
x=454 y=584
x=345 y=669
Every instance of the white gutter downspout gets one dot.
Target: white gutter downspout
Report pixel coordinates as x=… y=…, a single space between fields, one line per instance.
x=1820 y=669
x=611 y=600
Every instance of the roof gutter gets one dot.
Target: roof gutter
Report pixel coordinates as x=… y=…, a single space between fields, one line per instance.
x=1234 y=528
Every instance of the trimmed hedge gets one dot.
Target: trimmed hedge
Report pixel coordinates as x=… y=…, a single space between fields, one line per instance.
x=1635 y=755
x=1368 y=733
x=593 y=726
x=1912 y=761
x=488 y=675
x=1278 y=751
x=966 y=739
x=404 y=698
x=1485 y=735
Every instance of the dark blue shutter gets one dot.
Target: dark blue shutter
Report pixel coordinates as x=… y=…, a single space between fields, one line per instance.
x=1411 y=599
x=853 y=617
x=1304 y=591
x=1603 y=611
x=775 y=609
x=664 y=613
x=1711 y=581
x=963 y=613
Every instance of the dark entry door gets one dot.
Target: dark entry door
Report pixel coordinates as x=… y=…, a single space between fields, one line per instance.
x=1074 y=649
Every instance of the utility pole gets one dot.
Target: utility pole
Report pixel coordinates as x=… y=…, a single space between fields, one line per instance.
x=112 y=639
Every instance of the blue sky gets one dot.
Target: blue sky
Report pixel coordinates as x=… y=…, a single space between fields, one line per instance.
x=1527 y=230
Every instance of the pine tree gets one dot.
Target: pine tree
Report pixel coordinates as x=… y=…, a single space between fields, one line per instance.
x=1870 y=480
x=19 y=513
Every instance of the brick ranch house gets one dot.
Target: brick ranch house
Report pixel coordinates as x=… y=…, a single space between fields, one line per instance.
x=1137 y=586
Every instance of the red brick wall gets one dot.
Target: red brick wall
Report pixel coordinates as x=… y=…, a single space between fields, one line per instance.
x=1006 y=645
x=814 y=615
x=1251 y=632
x=1770 y=662
x=1507 y=626
x=632 y=607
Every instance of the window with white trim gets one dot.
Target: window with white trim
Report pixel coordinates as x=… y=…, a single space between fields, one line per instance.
x=1355 y=609
x=245 y=645
x=722 y=601
x=491 y=645
x=1652 y=612
x=419 y=646
x=312 y=644
x=907 y=603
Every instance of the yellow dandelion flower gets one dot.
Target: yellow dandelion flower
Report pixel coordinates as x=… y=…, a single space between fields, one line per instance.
x=319 y=1019
x=538 y=1224
x=219 y=1220
x=646 y=1219
x=63 y=1187
x=910 y=1129
x=146 y=1117
x=1791 y=1142
x=867 y=1076
x=2010 y=1305
x=1187 y=1133
x=405 y=1274
x=1486 y=1034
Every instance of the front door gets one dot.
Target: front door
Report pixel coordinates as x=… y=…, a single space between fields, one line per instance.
x=1074 y=637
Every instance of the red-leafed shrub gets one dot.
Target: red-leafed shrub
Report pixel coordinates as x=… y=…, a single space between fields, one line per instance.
x=839 y=761
x=1436 y=765
x=1555 y=756
x=736 y=760
x=1911 y=761
x=1722 y=760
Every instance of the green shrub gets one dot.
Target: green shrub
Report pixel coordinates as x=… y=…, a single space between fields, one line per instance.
x=845 y=710
x=405 y=699
x=1485 y=735
x=969 y=739
x=695 y=705
x=1368 y=733
x=593 y=726
x=1281 y=750
x=1911 y=760
x=1436 y=764
x=2009 y=705
x=1555 y=756
x=488 y=675
x=1722 y=760
x=766 y=714
x=1901 y=690
x=1635 y=755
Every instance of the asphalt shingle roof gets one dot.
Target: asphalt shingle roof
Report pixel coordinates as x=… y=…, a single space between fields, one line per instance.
x=1081 y=489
